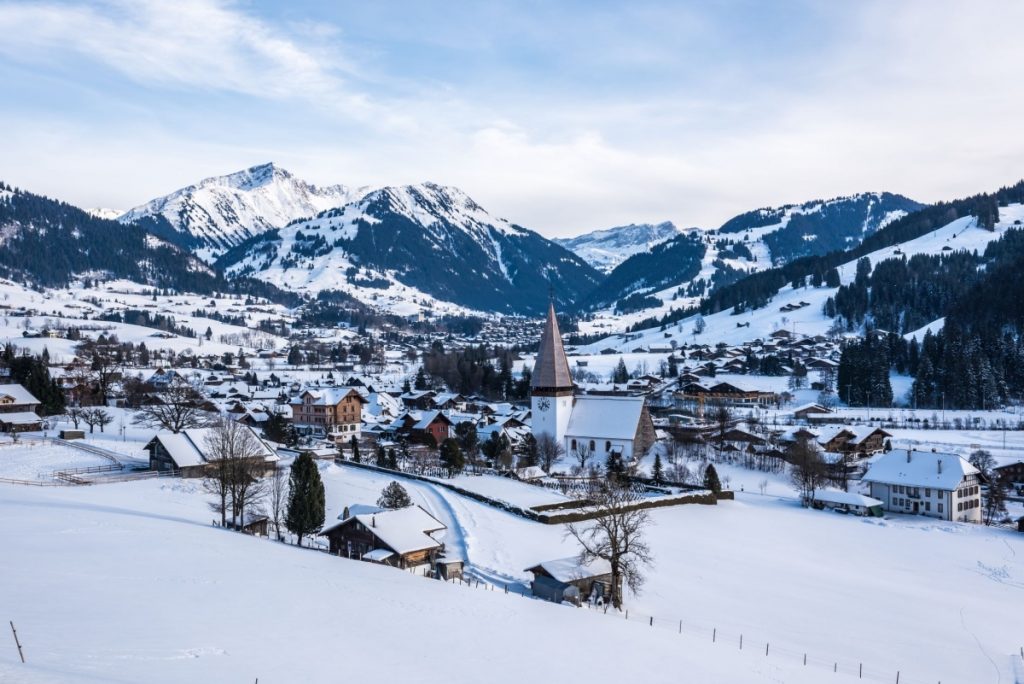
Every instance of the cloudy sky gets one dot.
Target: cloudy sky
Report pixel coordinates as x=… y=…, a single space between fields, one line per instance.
x=561 y=116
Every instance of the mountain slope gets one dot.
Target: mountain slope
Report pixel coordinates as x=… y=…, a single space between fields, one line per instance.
x=49 y=244
x=605 y=249
x=223 y=211
x=682 y=271
x=432 y=238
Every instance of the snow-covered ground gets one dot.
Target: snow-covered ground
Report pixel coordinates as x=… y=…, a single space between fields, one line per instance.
x=129 y=583
x=36 y=460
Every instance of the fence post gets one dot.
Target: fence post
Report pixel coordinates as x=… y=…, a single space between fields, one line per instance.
x=627 y=613
x=714 y=634
x=680 y=626
x=766 y=649
x=805 y=660
x=652 y=621
x=860 y=671
x=17 y=642
x=897 y=677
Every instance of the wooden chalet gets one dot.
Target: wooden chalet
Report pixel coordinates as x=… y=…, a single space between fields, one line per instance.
x=401 y=538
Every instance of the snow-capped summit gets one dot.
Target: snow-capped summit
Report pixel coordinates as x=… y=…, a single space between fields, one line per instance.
x=403 y=242
x=222 y=211
x=605 y=249
x=105 y=213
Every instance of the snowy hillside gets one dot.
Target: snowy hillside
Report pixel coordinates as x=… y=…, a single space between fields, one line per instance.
x=606 y=249
x=961 y=234
x=422 y=242
x=679 y=272
x=222 y=211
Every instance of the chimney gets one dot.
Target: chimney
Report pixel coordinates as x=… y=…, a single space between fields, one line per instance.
x=373 y=521
x=909 y=452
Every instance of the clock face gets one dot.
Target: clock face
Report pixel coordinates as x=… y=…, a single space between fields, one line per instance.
x=544 y=404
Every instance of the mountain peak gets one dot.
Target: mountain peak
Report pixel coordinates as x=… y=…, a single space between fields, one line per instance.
x=608 y=247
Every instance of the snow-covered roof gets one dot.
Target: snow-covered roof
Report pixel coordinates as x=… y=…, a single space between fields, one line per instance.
x=404 y=530
x=18 y=393
x=605 y=417
x=920 y=469
x=570 y=569
x=20 y=418
x=378 y=555
x=849 y=498
x=330 y=396
x=188 y=447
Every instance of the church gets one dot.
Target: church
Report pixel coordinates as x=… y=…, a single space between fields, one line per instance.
x=600 y=424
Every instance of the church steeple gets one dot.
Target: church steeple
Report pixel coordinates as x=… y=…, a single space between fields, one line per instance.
x=551 y=372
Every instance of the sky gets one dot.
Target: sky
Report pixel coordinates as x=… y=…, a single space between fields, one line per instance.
x=560 y=116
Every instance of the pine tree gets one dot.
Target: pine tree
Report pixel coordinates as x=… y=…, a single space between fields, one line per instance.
x=382 y=457
x=354 y=443
x=657 y=474
x=394 y=496
x=451 y=456
x=306 y=499
x=614 y=467
x=620 y=375
x=711 y=480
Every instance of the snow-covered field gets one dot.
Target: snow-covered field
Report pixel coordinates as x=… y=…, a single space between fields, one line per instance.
x=129 y=583
x=31 y=459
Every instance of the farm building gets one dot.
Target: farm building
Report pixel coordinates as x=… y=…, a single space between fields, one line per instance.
x=567 y=579
x=188 y=451
x=401 y=537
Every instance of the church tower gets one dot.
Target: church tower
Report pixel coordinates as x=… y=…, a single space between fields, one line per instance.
x=551 y=387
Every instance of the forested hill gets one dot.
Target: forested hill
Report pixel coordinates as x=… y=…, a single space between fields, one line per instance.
x=49 y=243
x=757 y=289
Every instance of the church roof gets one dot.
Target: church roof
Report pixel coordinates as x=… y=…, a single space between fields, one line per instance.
x=551 y=370
x=599 y=417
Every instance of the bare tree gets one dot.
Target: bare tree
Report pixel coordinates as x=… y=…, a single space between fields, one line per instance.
x=96 y=416
x=75 y=416
x=177 y=407
x=277 y=497
x=808 y=472
x=238 y=458
x=722 y=416
x=548 y=451
x=582 y=454
x=616 y=536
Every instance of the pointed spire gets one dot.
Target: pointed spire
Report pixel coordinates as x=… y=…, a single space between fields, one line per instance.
x=551 y=372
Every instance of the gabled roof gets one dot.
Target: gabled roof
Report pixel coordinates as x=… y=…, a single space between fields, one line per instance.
x=570 y=569
x=551 y=369
x=189 y=447
x=403 y=530
x=18 y=393
x=330 y=396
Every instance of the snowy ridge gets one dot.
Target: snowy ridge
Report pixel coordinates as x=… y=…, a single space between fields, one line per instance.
x=406 y=249
x=961 y=234
x=607 y=248
x=222 y=211
x=104 y=213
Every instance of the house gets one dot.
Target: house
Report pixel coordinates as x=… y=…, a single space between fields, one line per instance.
x=567 y=579
x=1011 y=472
x=802 y=412
x=400 y=537
x=432 y=425
x=188 y=452
x=18 y=409
x=726 y=393
x=938 y=485
x=336 y=412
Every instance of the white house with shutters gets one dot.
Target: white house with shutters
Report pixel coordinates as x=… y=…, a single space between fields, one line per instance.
x=937 y=485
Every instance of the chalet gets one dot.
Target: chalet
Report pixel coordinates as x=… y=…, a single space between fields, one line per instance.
x=18 y=409
x=336 y=412
x=566 y=579
x=401 y=538
x=432 y=425
x=1011 y=472
x=802 y=412
x=726 y=393
x=188 y=452
x=858 y=440
x=418 y=399
x=943 y=486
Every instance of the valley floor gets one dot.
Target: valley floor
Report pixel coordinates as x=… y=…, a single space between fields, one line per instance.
x=129 y=582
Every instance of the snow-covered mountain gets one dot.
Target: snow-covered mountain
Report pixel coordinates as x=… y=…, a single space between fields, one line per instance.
x=682 y=270
x=105 y=213
x=220 y=212
x=416 y=244
x=605 y=249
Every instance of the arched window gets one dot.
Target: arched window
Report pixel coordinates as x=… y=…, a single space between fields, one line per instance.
x=607 y=447
x=574 y=445
x=592 y=445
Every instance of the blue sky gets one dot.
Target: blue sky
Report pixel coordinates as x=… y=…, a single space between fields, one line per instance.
x=563 y=117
